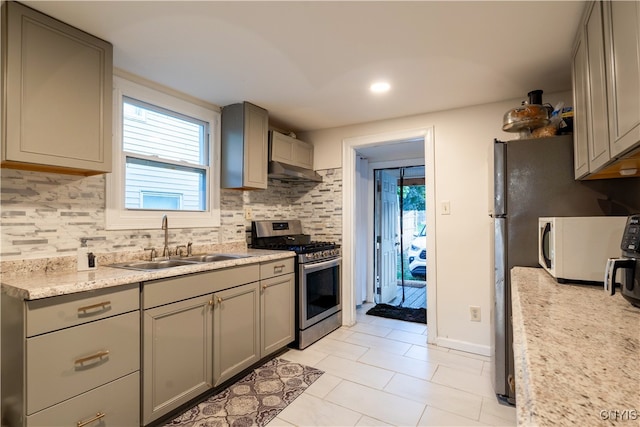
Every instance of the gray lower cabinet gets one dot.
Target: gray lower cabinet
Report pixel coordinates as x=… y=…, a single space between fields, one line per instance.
x=236 y=331
x=72 y=359
x=277 y=305
x=190 y=330
x=110 y=405
x=177 y=342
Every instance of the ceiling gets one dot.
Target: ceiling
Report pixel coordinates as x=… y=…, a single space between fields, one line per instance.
x=311 y=63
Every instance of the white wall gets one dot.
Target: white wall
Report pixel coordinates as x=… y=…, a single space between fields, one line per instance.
x=463 y=141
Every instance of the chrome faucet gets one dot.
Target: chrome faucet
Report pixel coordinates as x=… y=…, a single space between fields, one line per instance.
x=165 y=226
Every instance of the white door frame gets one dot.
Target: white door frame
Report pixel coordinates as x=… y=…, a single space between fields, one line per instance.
x=352 y=210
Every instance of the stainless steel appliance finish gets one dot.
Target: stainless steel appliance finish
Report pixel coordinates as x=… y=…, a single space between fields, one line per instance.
x=318 y=285
x=534 y=178
x=319 y=299
x=284 y=172
x=628 y=263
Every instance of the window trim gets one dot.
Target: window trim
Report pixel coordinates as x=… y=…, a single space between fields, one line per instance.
x=117 y=217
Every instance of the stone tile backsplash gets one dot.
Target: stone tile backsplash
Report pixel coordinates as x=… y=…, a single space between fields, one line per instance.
x=44 y=215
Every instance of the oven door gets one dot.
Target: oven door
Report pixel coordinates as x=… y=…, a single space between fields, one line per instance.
x=319 y=291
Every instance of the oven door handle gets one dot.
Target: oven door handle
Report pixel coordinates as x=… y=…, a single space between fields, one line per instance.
x=321 y=265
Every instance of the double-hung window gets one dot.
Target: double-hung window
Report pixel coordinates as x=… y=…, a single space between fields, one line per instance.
x=165 y=160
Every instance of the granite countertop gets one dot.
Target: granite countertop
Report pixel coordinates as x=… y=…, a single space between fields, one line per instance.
x=576 y=351
x=42 y=284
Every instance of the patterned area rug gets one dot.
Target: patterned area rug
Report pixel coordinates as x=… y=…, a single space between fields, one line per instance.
x=254 y=400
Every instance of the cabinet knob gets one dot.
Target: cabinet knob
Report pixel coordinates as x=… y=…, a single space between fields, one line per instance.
x=264 y=287
x=219 y=300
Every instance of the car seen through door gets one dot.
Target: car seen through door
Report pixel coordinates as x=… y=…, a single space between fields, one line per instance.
x=417 y=254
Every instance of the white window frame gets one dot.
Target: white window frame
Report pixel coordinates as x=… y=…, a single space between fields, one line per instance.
x=117 y=216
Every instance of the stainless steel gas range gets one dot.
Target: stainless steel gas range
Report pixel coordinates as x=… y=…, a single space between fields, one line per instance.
x=318 y=264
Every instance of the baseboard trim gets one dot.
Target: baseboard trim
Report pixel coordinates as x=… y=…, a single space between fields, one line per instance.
x=483 y=350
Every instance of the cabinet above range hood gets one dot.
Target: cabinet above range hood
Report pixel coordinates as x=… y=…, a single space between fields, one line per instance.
x=290 y=159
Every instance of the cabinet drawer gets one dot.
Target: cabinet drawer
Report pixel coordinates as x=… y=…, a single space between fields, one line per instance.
x=65 y=363
x=50 y=314
x=117 y=400
x=276 y=268
x=167 y=291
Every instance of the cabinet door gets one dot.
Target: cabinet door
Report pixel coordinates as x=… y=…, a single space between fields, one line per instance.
x=177 y=345
x=303 y=154
x=281 y=148
x=598 y=128
x=58 y=92
x=622 y=38
x=277 y=311
x=580 y=138
x=291 y=151
x=236 y=339
x=255 y=150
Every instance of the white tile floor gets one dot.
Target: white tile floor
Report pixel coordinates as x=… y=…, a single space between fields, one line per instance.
x=381 y=372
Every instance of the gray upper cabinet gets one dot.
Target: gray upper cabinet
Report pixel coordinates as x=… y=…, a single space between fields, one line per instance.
x=606 y=91
x=58 y=96
x=597 y=119
x=244 y=155
x=590 y=95
x=579 y=73
x=622 y=39
x=291 y=151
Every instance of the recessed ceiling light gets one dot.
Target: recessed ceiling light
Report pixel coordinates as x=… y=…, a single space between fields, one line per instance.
x=380 y=87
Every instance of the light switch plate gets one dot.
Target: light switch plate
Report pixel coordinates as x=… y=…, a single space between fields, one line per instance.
x=445 y=207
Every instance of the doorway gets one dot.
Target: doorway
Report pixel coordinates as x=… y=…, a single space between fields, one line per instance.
x=400 y=252
x=387 y=149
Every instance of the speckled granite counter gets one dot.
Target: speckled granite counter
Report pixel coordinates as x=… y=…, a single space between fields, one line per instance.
x=576 y=351
x=28 y=285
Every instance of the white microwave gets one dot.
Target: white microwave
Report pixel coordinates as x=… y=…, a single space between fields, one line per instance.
x=576 y=249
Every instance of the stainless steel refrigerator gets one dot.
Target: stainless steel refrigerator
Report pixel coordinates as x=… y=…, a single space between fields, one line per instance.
x=534 y=178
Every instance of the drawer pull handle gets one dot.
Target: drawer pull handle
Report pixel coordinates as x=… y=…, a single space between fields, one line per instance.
x=99 y=355
x=98 y=416
x=101 y=305
x=278 y=268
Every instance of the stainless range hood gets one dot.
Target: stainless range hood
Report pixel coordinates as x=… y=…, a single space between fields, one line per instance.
x=285 y=172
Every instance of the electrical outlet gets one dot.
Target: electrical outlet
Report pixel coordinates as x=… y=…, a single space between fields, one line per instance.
x=248 y=213
x=474 y=312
